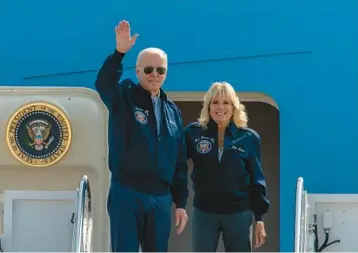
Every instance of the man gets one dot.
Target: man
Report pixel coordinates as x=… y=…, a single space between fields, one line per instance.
x=147 y=151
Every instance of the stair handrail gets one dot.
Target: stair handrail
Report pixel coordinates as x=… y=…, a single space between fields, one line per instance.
x=298 y=215
x=79 y=244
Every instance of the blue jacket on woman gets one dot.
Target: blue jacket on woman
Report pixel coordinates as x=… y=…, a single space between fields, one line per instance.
x=236 y=182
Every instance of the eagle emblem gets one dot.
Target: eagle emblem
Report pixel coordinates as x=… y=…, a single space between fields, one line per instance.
x=39 y=133
x=140 y=117
x=203 y=146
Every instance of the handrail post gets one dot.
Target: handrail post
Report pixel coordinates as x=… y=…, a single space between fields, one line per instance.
x=79 y=215
x=298 y=213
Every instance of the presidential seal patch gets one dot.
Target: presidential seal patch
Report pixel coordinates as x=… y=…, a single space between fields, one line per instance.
x=203 y=146
x=140 y=116
x=38 y=134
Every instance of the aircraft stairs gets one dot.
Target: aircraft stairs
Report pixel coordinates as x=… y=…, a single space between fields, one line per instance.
x=316 y=228
x=78 y=223
x=320 y=221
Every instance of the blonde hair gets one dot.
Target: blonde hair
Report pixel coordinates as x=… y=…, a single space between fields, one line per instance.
x=224 y=89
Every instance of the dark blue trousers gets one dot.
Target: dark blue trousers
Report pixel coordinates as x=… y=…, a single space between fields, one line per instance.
x=138 y=219
x=235 y=229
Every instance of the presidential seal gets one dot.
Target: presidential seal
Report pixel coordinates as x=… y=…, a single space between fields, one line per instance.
x=203 y=146
x=141 y=117
x=38 y=134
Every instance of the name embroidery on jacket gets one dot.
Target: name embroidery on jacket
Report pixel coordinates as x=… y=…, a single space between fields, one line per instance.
x=238 y=148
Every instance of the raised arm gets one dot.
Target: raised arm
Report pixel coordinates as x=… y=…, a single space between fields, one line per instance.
x=112 y=68
x=107 y=80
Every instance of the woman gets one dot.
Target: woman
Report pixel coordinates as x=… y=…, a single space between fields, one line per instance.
x=228 y=181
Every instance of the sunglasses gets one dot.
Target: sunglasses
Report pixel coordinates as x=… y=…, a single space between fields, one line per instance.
x=160 y=70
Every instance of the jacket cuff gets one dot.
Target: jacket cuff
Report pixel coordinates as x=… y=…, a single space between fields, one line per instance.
x=259 y=217
x=118 y=55
x=181 y=204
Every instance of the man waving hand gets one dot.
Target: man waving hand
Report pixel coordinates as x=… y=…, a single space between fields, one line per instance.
x=147 y=151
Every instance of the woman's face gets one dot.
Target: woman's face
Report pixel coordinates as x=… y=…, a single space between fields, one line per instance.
x=221 y=109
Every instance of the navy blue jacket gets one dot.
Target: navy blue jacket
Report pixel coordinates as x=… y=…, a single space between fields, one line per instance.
x=138 y=156
x=236 y=183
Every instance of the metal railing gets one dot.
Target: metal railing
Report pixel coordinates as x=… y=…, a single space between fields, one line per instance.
x=298 y=213
x=82 y=233
x=301 y=218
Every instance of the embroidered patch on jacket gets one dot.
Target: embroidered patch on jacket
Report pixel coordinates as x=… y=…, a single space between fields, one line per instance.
x=203 y=146
x=141 y=116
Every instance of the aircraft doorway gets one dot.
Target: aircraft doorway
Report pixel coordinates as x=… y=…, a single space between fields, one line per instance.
x=264 y=118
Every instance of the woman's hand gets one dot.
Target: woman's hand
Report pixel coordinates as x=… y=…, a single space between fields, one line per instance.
x=260 y=234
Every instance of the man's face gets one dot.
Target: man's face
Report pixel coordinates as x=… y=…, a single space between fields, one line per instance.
x=152 y=71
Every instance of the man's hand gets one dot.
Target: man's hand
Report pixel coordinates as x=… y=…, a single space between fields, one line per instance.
x=260 y=234
x=124 y=41
x=181 y=219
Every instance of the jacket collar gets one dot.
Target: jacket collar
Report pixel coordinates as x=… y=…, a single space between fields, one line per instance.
x=233 y=129
x=142 y=91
